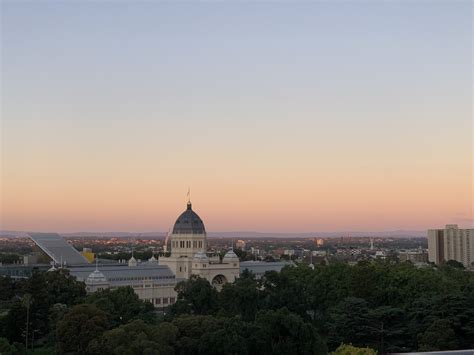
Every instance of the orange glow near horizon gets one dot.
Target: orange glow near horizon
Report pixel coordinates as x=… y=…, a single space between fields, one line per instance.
x=259 y=203
x=280 y=118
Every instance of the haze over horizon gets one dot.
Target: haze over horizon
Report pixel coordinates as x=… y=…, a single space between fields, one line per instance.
x=302 y=117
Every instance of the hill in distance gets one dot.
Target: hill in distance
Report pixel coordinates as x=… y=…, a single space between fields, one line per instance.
x=238 y=234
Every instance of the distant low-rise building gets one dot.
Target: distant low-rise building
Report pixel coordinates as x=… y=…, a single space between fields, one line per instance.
x=319 y=242
x=240 y=244
x=415 y=256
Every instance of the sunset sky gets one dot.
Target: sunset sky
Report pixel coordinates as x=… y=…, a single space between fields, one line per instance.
x=288 y=117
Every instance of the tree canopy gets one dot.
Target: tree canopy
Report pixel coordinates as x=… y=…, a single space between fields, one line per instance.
x=369 y=307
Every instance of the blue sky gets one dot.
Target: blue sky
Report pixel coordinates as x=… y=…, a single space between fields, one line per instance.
x=226 y=96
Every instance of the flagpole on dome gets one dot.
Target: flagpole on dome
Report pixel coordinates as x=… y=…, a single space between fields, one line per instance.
x=189 y=197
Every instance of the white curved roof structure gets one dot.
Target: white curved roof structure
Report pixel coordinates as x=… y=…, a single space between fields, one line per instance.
x=58 y=249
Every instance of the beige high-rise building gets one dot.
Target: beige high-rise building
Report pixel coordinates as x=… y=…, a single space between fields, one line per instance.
x=451 y=243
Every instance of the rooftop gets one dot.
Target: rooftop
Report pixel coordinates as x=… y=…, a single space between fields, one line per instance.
x=58 y=249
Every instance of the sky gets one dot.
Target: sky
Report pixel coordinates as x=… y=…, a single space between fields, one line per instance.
x=279 y=116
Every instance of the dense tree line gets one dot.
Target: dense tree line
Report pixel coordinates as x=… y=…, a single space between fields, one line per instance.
x=388 y=307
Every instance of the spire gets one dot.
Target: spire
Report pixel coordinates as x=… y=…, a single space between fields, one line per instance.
x=132 y=261
x=189 y=198
x=96 y=263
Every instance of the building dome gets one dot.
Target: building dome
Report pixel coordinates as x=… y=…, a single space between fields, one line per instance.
x=152 y=260
x=96 y=277
x=230 y=256
x=200 y=257
x=189 y=223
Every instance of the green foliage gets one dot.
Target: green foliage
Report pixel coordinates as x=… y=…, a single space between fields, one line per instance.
x=46 y=289
x=7 y=288
x=14 y=324
x=122 y=305
x=283 y=332
x=230 y=337
x=240 y=298
x=191 y=329
x=79 y=327
x=63 y=288
x=386 y=306
x=352 y=350
x=272 y=332
x=349 y=321
x=5 y=347
x=195 y=296
x=136 y=337
x=455 y=264
x=439 y=336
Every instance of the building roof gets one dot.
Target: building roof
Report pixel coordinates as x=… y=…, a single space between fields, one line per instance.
x=230 y=256
x=123 y=275
x=260 y=267
x=200 y=257
x=189 y=223
x=58 y=249
x=96 y=277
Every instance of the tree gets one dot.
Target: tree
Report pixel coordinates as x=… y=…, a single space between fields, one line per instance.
x=5 y=347
x=455 y=264
x=190 y=330
x=352 y=350
x=26 y=301
x=439 y=336
x=63 y=288
x=387 y=329
x=56 y=313
x=240 y=298
x=122 y=305
x=195 y=296
x=137 y=337
x=79 y=327
x=230 y=338
x=15 y=323
x=37 y=304
x=349 y=322
x=6 y=288
x=282 y=332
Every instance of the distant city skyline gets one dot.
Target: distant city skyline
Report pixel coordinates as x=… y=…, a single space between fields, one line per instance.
x=302 y=117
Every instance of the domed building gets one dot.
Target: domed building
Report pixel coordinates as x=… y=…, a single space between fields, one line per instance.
x=188 y=243
x=154 y=280
x=96 y=281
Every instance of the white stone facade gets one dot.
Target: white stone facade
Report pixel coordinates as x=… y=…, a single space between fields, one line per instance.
x=188 y=244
